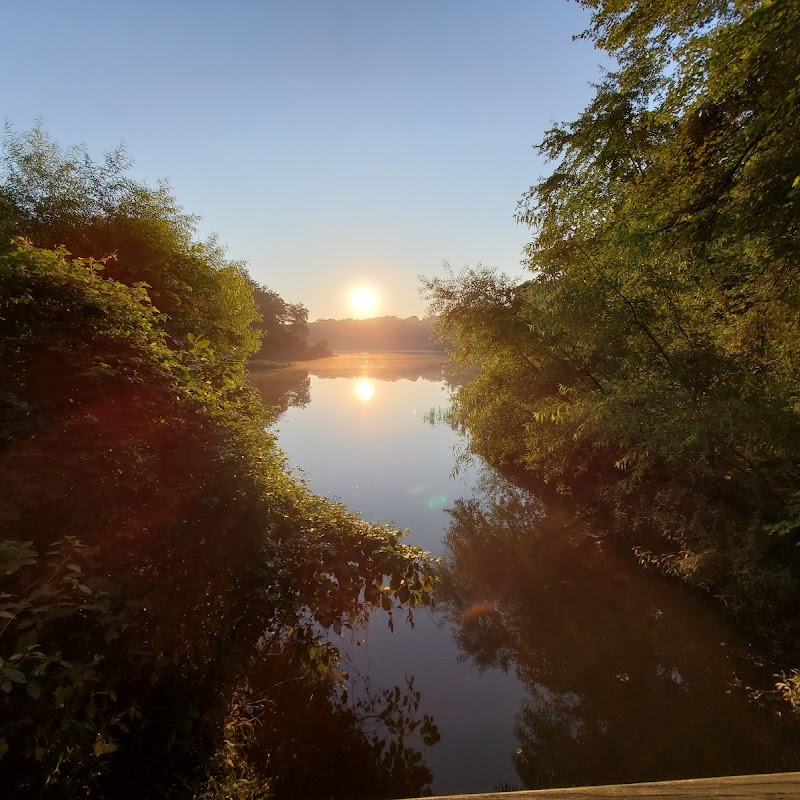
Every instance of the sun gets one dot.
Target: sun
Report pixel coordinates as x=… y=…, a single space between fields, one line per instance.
x=363 y=300
x=364 y=390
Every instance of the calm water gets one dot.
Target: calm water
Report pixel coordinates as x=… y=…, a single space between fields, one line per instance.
x=551 y=659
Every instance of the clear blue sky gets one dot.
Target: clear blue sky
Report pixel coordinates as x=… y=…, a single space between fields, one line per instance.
x=328 y=142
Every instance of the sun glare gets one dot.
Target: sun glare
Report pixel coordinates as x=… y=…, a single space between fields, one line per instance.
x=364 y=390
x=363 y=300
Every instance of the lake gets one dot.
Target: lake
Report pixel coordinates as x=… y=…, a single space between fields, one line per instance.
x=551 y=658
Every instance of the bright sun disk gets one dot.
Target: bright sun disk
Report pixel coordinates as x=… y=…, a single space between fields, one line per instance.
x=363 y=299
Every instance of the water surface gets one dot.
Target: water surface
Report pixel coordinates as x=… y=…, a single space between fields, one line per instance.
x=552 y=658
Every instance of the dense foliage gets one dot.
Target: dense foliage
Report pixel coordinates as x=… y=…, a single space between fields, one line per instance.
x=160 y=571
x=285 y=329
x=654 y=354
x=62 y=198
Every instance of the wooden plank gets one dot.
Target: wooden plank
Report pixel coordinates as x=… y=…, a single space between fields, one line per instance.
x=754 y=787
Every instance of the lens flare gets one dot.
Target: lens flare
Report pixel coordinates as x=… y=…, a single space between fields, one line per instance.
x=438 y=501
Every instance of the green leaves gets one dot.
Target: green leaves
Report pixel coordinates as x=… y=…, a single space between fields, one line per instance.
x=103 y=746
x=13 y=674
x=127 y=418
x=15 y=555
x=653 y=351
x=63 y=197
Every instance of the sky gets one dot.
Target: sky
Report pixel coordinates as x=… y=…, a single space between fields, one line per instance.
x=331 y=144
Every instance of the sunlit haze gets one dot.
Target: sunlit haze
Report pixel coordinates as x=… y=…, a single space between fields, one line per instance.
x=363 y=301
x=321 y=141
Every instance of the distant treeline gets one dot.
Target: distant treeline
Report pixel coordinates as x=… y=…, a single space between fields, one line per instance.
x=380 y=333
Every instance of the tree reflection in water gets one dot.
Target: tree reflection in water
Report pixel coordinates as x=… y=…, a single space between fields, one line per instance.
x=320 y=744
x=319 y=741
x=620 y=687
x=291 y=386
x=283 y=388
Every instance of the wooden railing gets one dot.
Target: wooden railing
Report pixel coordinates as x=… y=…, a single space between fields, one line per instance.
x=753 y=787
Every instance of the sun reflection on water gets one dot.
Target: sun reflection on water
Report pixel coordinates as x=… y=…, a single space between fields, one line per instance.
x=364 y=390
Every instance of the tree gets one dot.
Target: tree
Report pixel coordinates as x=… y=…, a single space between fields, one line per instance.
x=58 y=197
x=167 y=555
x=154 y=551
x=284 y=328
x=655 y=347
